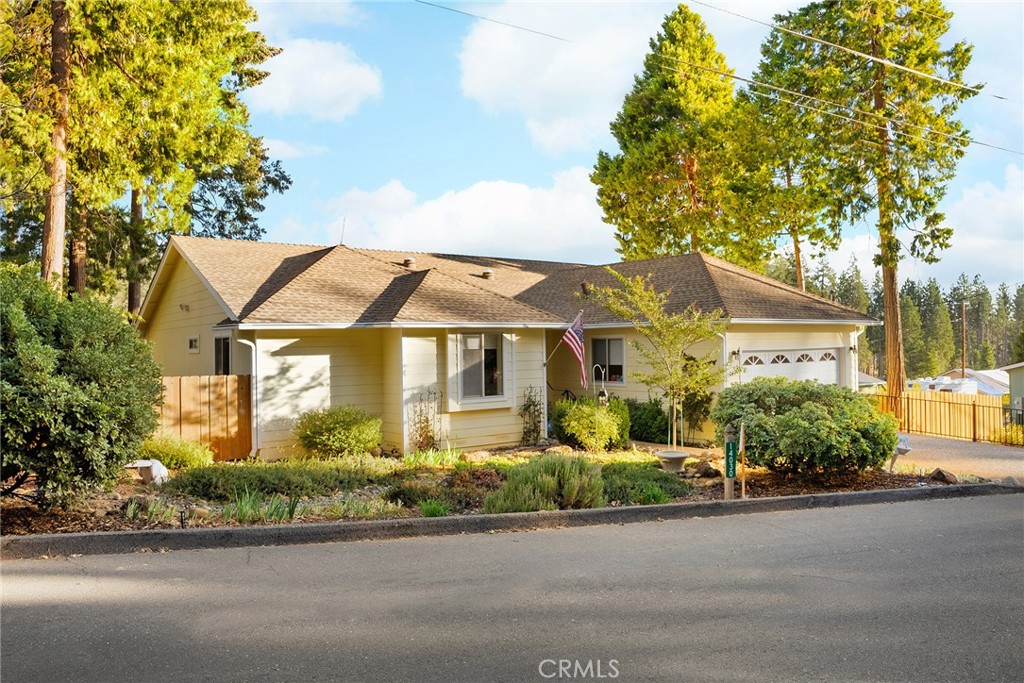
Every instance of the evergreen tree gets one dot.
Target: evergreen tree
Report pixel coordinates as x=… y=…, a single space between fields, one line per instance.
x=850 y=290
x=876 y=334
x=938 y=330
x=665 y=190
x=1002 y=326
x=914 y=348
x=1017 y=350
x=891 y=161
x=984 y=357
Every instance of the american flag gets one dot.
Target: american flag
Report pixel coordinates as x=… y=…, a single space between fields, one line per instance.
x=573 y=338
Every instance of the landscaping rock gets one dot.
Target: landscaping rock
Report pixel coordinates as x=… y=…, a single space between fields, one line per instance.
x=475 y=456
x=941 y=475
x=706 y=470
x=690 y=463
x=1011 y=481
x=564 y=450
x=198 y=513
x=376 y=452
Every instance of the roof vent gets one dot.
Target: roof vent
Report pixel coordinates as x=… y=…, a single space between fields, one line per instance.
x=409 y=262
x=487 y=274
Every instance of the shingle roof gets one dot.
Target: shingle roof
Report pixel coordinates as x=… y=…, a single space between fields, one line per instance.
x=300 y=284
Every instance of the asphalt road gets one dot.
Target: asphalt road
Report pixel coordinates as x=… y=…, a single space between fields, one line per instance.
x=990 y=460
x=925 y=591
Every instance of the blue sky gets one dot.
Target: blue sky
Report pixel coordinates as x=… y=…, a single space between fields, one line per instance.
x=411 y=127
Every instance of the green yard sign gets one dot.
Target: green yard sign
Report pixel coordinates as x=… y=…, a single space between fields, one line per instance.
x=731 y=448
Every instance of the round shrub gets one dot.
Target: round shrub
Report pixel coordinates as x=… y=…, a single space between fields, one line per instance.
x=334 y=432
x=806 y=427
x=551 y=482
x=594 y=427
x=620 y=410
x=78 y=388
x=175 y=452
x=648 y=421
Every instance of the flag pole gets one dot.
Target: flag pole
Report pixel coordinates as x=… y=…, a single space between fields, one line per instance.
x=559 y=342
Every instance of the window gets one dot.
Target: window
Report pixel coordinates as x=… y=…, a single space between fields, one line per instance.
x=753 y=360
x=805 y=358
x=222 y=356
x=608 y=354
x=828 y=355
x=780 y=358
x=480 y=365
x=193 y=344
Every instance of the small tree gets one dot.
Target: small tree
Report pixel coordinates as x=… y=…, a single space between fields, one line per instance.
x=670 y=337
x=78 y=386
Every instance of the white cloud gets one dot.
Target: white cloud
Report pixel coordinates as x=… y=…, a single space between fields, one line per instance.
x=281 y=149
x=323 y=80
x=560 y=222
x=279 y=18
x=988 y=237
x=568 y=93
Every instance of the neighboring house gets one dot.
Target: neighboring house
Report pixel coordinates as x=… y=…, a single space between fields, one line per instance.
x=869 y=384
x=990 y=382
x=1015 y=373
x=456 y=338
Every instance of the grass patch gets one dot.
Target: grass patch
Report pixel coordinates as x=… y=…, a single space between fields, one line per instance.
x=432 y=457
x=288 y=478
x=352 y=508
x=641 y=481
x=434 y=508
x=550 y=482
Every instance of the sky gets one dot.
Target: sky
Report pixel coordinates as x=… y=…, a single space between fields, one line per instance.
x=406 y=126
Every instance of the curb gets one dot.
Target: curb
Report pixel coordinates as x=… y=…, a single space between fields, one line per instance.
x=161 y=540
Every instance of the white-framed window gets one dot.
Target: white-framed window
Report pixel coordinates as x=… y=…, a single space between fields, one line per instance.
x=780 y=358
x=222 y=355
x=607 y=359
x=193 y=344
x=481 y=365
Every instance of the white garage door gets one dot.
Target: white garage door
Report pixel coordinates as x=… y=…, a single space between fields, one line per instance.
x=819 y=364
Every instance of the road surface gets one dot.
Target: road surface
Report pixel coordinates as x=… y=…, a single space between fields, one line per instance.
x=989 y=460
x=924 y=591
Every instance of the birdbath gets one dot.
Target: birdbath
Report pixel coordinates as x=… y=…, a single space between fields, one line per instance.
x=672 y=461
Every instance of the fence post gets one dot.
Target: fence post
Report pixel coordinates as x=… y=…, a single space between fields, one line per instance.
x=974 y=421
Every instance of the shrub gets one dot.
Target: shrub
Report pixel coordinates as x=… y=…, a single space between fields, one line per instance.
x=807 y=427
x=342 y=430
x=647 y=420
x=594 y=427
x=433 y=508
x=288 y=478
x=633 y=483
x=77 y=385
x=1012 y=435
x=551 y=482
x=465 y=489
x=175 y=452
x=620 y=410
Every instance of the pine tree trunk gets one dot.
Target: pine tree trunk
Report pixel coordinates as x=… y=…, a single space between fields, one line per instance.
x=798 y=258
x=79 y=249
x=888 y=245
x=56 y=199
x=134 y=276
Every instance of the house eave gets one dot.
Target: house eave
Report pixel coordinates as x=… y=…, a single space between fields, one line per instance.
x=750 y=321
x=393 y=325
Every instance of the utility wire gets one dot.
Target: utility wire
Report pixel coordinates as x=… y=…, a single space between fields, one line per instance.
x=895 y=122
x=493 y=21
x=863 y=55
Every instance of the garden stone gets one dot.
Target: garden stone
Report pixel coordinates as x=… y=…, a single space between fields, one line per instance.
x=562 y=449
x=707 y=470
x=475 y=456
x=1011 y=481
x=941 y=475
x=198 y=512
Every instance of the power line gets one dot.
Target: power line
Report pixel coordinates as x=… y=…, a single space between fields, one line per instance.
x=494 y=21
x=863 y=55
x=895 y=122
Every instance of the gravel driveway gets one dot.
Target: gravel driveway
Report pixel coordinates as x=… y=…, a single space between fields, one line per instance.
x=992 y=461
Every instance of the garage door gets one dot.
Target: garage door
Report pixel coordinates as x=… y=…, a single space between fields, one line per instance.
x=819 y=364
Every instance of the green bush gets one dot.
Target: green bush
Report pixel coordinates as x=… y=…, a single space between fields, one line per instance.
x=77 y=385
x=551 y=482
x=464 y=489
x=807 y=427
x=632 y=483
x=342 y=430
x=175 y=452
x=594 y=427
x=288 y=478
x=648 y=421
x=620 y=410
x=434 y=508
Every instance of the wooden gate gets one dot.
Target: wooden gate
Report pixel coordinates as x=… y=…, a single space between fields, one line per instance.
x=213 y=409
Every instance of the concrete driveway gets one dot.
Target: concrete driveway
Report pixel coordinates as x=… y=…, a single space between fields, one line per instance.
x=988 y=460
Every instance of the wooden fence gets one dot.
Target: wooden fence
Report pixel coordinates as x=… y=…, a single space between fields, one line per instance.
x=975 y=417
x=213 y=409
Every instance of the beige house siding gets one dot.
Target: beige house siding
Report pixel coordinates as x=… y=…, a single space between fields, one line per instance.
x=185 y=309
x=314 y=370
x=391 y=389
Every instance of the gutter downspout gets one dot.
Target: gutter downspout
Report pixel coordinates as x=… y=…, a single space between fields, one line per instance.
x=255 y=425
x=724 y=336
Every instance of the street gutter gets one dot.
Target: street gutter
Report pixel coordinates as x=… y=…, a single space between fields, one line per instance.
x=45 y=546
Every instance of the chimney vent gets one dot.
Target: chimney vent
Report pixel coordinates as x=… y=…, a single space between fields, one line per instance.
x=409 y=262
x=488 y=274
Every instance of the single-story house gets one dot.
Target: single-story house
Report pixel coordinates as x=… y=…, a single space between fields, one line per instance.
x=1015 y=373
x=460 y=338
x=990 y=382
